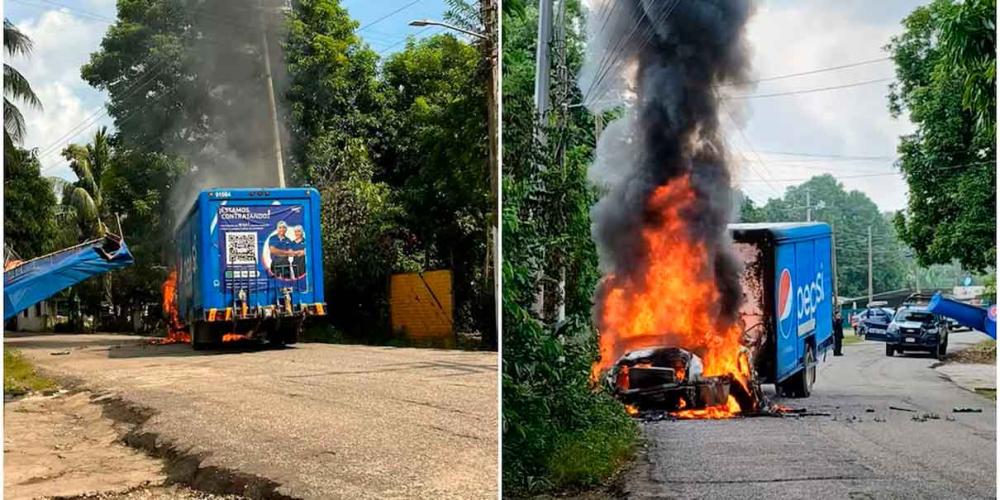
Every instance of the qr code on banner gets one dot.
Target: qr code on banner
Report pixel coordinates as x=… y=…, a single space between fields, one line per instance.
x=241 y=248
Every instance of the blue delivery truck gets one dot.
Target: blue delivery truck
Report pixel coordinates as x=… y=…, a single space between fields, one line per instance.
x=249 y=262
x=789 y=284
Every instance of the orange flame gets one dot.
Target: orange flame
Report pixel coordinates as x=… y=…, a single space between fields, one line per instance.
x=676 y=302
x=728 y=410
x=234 y=337
x=176 y=333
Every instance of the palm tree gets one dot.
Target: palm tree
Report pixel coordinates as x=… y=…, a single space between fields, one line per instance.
x=89 y=163
x=15 y=88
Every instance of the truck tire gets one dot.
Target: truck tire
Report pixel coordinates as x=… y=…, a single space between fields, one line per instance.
x=201 y=336
x=800 y=384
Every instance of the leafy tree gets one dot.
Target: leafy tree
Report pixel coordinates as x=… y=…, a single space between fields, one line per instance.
x=850 y=213
x=15 y=88
x=946 y=76
x=136 y=186
x=29 y=203
x=334 y=93
x=439 y=164
x=84 y=197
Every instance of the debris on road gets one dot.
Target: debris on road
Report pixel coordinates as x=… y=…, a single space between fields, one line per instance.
x=869 y=410
x=902 y=409
x=967 y=410
x=59 y=353
x=925 y=417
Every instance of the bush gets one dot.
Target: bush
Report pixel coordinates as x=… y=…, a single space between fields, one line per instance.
x=20 y=377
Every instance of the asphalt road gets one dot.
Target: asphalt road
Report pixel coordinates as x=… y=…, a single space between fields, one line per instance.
x=846 y=455
x=322 y=421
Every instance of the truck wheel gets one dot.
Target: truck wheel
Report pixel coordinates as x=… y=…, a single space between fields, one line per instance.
x=800 y=386
x=201 y=336
x=291 y=335
x=889 y=350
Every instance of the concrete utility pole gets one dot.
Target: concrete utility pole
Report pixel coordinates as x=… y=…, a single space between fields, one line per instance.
x=491 y=19
x=809 y=207
x=273 y=106
x=562 y=104
x=543 y=66
x=871 y=292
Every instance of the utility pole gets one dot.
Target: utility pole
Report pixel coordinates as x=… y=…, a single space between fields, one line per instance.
x=542 y=88
x=562 y=106
x=871 y=292
x=273 y=107
x=490 y=17
x=809 y=207
x=543 y=64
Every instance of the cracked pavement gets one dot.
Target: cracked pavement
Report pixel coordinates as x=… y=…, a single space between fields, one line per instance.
x=322 y=421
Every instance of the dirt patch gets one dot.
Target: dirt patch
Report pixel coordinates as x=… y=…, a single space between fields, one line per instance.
x=984 y=352
x=62 y=446
x=69 y=446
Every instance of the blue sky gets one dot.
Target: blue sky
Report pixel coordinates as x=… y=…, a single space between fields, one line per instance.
x=65 y=32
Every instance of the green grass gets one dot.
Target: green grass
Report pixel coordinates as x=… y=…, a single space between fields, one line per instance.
x=852 y=339
x=20 y=376
x=590 y=457
x=987 y=393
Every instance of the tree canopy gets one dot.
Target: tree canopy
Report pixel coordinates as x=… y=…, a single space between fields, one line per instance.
x=946 y=71
x=29 y=205
x=849 y=213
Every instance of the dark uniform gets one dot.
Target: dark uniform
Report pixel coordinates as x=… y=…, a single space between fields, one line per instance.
x=838 y=335
x=279 y=263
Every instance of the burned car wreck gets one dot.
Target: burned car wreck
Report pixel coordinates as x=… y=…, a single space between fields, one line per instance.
x=670 y=379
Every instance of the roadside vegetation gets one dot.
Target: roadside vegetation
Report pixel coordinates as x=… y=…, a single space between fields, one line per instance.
x=559 y=432
x=20 y=376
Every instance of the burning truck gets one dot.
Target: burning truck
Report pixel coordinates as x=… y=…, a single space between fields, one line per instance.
x=248 y=265
x=786 y=326
x=693 y=314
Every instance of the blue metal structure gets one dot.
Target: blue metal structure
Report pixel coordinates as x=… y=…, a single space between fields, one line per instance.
x=977 y=318
x=249 y=261
x=789 y=282
x=38 y=279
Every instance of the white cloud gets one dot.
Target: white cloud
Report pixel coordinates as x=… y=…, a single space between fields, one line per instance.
x=854 y=121
x=62 y=44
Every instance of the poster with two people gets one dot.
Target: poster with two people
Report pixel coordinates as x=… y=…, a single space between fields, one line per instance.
x=263 y=242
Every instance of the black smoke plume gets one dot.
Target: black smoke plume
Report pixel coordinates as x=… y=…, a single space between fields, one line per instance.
x=667 y=59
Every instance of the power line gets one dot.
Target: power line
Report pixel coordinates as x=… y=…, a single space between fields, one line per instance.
x=139 y=83
x=807 y=91
x=810 y=72
x=857 y=176
x=828 y=155
x=387 y=16
x=750 y=145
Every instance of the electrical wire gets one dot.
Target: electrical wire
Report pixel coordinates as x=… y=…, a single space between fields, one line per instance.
x=810 y=72
x=807 y=91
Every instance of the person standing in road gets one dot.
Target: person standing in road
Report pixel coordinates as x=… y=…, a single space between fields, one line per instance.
x=838 y=334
